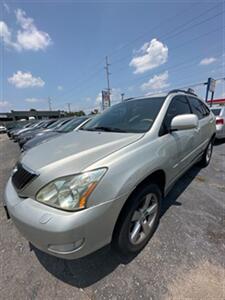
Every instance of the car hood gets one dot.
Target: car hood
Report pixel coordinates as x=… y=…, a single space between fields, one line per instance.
x=38 y=139
x=30 y=132
x=72 y=152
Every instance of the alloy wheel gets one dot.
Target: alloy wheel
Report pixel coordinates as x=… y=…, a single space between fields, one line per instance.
x=143 y=218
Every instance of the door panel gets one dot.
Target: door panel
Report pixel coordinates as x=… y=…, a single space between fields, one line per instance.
x=204 y=117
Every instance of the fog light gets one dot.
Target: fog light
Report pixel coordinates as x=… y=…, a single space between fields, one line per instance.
x=66 y=248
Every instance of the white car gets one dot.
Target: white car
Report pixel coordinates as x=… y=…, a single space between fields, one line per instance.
x=2 y=129
x=219 y=112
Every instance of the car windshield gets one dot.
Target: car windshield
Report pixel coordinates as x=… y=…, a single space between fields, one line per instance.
x=133 y=116
x=55 y=124
x=72 y=124
x=65 y=121
x=32 y=125
x=216 y=111
x=40 y=125
x=46 y=124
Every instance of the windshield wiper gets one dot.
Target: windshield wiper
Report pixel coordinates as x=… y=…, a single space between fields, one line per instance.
x=103 y=128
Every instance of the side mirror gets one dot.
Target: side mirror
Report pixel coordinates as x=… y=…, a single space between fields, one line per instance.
x=184 y=122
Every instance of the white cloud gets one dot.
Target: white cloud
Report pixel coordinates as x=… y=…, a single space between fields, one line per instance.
x=4 y=105
x=34 y=100
x=59 y=88
x=157 y=82
x=88 y=99
x=25 y=80
x=28 y=37
x=207 y=61
x=151 y=55
x=6 y=36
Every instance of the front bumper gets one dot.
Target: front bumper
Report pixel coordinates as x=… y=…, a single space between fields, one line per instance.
x=68 y=235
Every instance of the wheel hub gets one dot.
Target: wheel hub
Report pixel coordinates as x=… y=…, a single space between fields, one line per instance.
x=143 y=219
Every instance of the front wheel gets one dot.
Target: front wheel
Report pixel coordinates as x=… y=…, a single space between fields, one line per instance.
x=138 y=220
x=207 y=155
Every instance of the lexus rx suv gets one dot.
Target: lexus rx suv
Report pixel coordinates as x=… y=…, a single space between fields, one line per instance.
x=105 y=183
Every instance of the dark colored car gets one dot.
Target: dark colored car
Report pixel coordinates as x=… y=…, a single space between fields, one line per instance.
x=26 y=128
x=13 y=128
x=47 y=135
x=47 y=127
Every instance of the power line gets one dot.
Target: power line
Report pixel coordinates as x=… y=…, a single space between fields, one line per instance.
x=181 y=31
x=177 y=32
x=174 y=29
x=157 y=26
x=178 y=46
x=169 y=68
x=197 y=24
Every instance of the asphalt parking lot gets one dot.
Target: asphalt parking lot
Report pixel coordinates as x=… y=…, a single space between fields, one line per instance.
x=184 y=259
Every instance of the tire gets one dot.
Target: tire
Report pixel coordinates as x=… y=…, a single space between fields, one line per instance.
x=206 y=157
x=136 y=216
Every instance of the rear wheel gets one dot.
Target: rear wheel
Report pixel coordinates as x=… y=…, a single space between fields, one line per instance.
x=207 y=155
x=138 y=220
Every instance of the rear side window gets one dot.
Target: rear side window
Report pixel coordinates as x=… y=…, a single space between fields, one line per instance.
x=216 y=111
x=178 y=106
x=198 y=108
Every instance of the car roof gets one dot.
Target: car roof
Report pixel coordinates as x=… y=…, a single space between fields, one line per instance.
x=159 y=95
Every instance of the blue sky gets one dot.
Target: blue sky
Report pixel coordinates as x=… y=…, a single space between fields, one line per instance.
x=57 y=49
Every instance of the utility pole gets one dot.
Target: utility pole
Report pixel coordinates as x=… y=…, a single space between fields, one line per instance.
x=50 y=103
x=107 y=76
x=212 y=96
x=69 y=109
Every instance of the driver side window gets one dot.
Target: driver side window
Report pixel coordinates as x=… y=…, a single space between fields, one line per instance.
x=178 y=106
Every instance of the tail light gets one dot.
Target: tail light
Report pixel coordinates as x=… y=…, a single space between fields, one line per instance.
x=220 y=121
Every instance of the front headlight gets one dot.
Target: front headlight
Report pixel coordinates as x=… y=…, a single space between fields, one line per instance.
x=70 y=192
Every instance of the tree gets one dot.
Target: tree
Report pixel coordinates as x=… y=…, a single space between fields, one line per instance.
x=76 y=113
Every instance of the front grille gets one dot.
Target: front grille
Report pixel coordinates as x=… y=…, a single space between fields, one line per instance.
x=22 y=177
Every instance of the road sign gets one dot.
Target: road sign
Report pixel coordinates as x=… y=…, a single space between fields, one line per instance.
x=212 y=85
x=105 y=99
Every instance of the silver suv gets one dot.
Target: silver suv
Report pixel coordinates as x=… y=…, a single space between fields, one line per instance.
x=106 y=182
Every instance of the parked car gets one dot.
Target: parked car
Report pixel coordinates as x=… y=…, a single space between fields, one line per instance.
x=106 y=182
x=2 y=129
x=48 y=135
x=219 y=112
x=25 y=136
x=26 y=128
x=13 y=128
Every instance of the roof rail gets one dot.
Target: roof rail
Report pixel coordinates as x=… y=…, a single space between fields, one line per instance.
x=189 y=91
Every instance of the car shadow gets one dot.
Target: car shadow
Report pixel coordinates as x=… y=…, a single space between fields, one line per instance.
x=219 y=142
x=86 y=271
